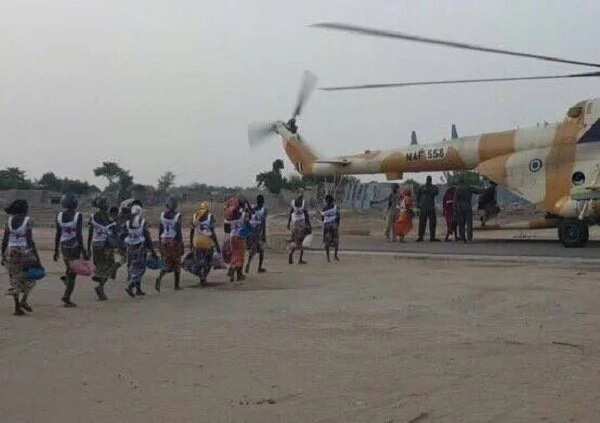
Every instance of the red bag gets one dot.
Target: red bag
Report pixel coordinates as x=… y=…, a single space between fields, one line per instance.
x=82 y=267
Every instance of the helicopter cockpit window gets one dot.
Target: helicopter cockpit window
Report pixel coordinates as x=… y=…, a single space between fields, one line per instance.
x=578 y=178
x=575 y=112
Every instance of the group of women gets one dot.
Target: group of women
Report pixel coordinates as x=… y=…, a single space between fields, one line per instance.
x=120 y=235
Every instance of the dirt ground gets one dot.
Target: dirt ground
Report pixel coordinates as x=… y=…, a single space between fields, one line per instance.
x=373 y=339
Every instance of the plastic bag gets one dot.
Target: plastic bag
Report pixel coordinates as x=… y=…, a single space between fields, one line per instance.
x=308 y=240
x=218 y=262
x=154 y=263
x=83 y=267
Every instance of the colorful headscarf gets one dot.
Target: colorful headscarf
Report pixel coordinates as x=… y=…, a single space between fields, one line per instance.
x=201 y=211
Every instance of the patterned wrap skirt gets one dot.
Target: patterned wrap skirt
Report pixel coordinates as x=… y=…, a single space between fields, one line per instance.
x=331 y=235
x=255 y=241
x=238 y=252
x=70 y=250
x=104 y=260
x=199 y=262
x=171 y=252
x=18 y=260
x=298 y=234
x=136 y=263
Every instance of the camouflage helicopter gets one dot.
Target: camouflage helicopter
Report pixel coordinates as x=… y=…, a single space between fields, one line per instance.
x=556 y=166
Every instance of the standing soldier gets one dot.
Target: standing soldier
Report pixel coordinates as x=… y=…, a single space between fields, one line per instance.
x=69 y=243
x=170 y=241
x=463 y=205
x=426 y=203
x=331 y=224
x=258 y=238
x=18 y=253
x=101 y=238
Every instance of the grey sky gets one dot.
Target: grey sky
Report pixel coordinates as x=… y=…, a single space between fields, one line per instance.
x=162 y=85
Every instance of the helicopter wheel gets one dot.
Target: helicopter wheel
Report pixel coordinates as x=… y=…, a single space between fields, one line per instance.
x=573 y=233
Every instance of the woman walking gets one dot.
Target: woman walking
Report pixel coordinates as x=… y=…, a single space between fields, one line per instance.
x=203 y=241
x=238 y=217
x=69 y=242
x=258 y=236
x=138 y=243
x=170 y=242
x=18 y=254
x=101 y=240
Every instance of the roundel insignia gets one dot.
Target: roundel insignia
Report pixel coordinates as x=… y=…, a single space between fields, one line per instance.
x=535 y=165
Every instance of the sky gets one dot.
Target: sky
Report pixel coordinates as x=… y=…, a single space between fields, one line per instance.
x=160 y=86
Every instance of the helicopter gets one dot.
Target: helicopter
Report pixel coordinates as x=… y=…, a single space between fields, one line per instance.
x=556 y=166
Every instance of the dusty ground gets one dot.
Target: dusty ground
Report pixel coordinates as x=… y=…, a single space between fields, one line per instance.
x=374 y=339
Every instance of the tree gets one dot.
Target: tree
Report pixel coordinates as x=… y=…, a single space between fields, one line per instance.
x=50 y=182
x=165 y=182
x=111 y=171
x=119 y=180
x=14 y=178
x=272 y=180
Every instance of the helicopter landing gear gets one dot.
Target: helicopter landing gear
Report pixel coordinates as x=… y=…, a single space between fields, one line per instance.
x=573 y=233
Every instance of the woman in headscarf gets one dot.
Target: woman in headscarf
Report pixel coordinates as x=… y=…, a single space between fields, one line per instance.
x=299 y=225
x=404 y=222
x=258 y=236
x=331 y=224
x=69 y=243
x=238 y=217
x=203 y=241
x=101 y=237
x=18 y=254
x=138 y=243
x=449 y=215
x=171 y=242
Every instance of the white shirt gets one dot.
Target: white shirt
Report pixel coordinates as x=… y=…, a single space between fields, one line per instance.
x=135 y=235
x=101 y=232
x=68 y=229
x=18 y=237
x=169 y=226
x=298 y=213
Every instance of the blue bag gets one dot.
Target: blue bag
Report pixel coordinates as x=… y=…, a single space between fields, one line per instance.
x=35 y=273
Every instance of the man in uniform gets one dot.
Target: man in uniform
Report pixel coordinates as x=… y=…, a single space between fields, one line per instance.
x=426 y=203
x=464 y=209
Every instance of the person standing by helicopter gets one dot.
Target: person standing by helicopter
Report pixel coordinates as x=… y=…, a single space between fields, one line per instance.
x=426 y=202
x=69 y=242
x=463 y=206
x=331 y=227
x=101 y=237
x=18 y=253
x=299 y=225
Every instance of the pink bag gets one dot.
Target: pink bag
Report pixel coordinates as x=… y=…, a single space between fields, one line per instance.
x=83 y=267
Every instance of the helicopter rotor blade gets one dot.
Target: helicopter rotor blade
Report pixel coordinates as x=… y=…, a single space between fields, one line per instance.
x=408 y=37
x=309 y=83
x=260 y=133
x=459 y=81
